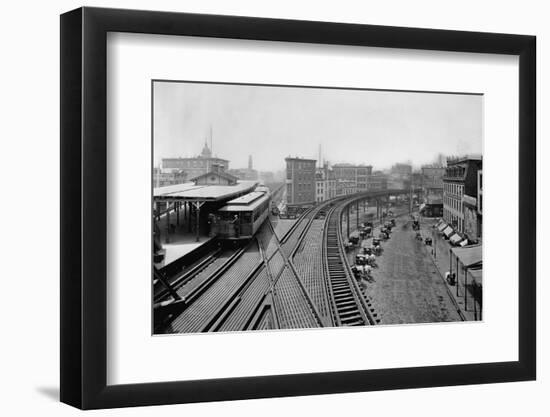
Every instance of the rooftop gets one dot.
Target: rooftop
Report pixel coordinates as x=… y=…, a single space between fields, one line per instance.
x=458 y=159
x=248 y=198
x=257 y=200
x=295 y=158
x=190 y=191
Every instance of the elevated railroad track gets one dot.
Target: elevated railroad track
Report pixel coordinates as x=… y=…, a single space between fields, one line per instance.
x=348 y=303
x=260 y=287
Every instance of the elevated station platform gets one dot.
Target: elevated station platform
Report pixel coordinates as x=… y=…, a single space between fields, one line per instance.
x=181 y=216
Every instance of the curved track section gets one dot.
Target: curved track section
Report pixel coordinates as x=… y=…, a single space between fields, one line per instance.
x=348 y=304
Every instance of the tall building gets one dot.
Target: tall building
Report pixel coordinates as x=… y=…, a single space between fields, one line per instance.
x=198 y=165
x=300 y=181
x=354 y=176
x=460 y=185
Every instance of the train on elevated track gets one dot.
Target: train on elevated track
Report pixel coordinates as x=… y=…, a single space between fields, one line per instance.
x=240 y=218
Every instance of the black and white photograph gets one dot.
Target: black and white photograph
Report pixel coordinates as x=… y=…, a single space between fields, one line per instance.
x=294 y=207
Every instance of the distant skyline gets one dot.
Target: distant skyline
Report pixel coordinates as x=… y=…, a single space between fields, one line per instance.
x=377 y=128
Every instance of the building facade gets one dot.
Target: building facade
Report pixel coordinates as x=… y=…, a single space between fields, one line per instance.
x=472 y=219
x=432 y=180
x=377 y=181
x=325 y=184
x=164 y=177
x=400 y=177
x=358 y=174
x=198 y=165
x=460 y=180
x=300 y=181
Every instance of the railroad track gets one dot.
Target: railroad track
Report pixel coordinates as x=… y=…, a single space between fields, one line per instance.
x=160 y=290
x=170 y=310
x=348 y=303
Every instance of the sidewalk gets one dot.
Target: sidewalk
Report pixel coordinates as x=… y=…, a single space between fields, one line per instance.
x=439 y=253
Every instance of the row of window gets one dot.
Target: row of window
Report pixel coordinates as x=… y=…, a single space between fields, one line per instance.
x=453 y=203
x=453 y=220
x=453 y=188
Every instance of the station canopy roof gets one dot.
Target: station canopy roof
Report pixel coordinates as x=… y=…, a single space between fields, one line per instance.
x=191 y=192
x=469 y=255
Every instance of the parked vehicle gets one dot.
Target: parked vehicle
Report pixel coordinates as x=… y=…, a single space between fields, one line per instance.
x=361 y=259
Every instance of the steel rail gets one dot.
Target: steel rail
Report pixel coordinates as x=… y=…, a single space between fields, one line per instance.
x=349 y=305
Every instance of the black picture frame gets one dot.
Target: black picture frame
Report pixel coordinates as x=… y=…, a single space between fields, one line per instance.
x=84 y=207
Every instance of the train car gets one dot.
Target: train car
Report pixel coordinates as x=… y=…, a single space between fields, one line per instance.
x=241 y=218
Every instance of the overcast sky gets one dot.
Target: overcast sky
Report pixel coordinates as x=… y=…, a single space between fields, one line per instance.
x=376 y=128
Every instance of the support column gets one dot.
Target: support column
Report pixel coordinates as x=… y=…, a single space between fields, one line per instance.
x=197 y=205
x=475 y=306
x=347 y=220
x=466 y=290
x=357 y=214
x=189 y=212
x=178 y=213
x=167 y=237
x=157 y=215
x=456 y=276
x=450 y=262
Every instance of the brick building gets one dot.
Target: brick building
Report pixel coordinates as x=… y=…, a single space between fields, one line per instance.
x=460 y=179
x=300 y=181
x=198 y=165
x=358 y=174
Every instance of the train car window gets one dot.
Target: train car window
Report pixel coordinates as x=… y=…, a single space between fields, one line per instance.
x=246 y=217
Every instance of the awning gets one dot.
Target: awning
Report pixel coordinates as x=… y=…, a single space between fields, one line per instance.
x=442 y=226
x=469 y=255
x=448 y=231
x=455 y=238
x=475 y=276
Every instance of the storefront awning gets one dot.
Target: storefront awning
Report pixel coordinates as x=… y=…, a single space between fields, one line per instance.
x=469 y=256
x=455 y=238
x=475 y=276
x=442 y=226
x=448 y=231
